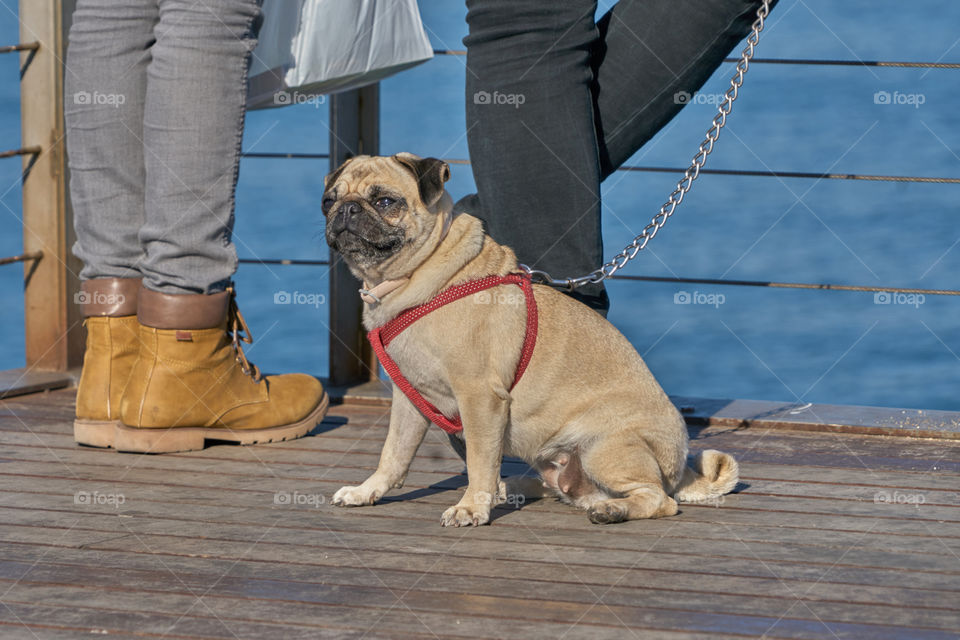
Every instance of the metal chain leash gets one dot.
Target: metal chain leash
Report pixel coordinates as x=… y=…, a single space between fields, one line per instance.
x=693 y=171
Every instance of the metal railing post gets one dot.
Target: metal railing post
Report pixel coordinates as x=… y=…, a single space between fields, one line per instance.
x=53 y=331
x=354 y=130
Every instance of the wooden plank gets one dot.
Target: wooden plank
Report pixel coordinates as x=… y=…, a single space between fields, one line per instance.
x=259 y=593
x=692 y=533
x=676 y=588
x=17 y=382
x=562 y=530
x=39 y=470
x=324 y=528
x=823 y=418
x=329 y=589
x=354 y=130
x=872 y=455
x=425 y=471
x=333 y=531
x=695 y=529
x=220 y=619
x=54 y=337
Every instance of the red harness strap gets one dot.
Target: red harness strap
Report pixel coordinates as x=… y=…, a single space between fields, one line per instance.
x=382 y=336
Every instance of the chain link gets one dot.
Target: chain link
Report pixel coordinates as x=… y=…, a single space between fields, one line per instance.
x=649 y=232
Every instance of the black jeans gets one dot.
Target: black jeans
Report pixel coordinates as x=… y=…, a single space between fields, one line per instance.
x=556 y=102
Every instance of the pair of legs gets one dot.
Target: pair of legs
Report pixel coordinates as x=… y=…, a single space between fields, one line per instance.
x=155 y=103
x=556 y=101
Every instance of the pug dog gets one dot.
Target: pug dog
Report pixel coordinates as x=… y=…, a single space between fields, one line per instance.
x=587 y=414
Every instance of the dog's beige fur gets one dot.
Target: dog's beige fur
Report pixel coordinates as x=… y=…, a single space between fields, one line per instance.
x=587 y=414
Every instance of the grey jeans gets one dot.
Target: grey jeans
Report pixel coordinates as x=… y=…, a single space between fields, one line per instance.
x=556 y=102
x=155 y=103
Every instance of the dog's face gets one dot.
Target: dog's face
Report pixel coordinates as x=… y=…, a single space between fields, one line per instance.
x=381 y=210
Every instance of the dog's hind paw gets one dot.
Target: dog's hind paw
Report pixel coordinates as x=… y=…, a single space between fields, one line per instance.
x=607 y=512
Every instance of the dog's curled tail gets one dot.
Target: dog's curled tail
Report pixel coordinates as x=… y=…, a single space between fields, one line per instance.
x=710 y=474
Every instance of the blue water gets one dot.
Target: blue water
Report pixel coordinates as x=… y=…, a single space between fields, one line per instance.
x=829 y=347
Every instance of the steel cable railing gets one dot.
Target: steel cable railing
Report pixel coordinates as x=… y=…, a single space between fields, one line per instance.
x=721 y=172
x=678 y=280
x=799 y=61
x=29 y=46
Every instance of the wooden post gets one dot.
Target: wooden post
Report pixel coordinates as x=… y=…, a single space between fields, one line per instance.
x=54 y=335
x=354 y=130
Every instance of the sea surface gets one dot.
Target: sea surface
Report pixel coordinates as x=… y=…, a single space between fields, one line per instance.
x=725 y=341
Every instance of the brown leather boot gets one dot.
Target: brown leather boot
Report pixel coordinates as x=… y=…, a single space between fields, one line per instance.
x=192 y=381
x=109 y=307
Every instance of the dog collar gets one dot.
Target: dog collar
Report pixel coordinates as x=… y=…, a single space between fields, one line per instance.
x=373 y=295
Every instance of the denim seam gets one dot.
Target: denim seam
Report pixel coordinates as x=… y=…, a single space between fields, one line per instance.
x=238 y=145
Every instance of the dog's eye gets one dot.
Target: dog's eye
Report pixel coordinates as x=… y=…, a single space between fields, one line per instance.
x=384 y=202
x=326 y=203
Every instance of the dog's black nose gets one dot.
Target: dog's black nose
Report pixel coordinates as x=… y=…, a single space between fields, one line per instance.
x=349 y=208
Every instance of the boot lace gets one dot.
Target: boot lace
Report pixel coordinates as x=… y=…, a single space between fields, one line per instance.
x=240 y=332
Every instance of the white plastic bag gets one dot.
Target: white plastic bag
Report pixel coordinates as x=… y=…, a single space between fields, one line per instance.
x=313 y=47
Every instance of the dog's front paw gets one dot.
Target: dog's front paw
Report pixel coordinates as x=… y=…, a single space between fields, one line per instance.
x=466 y=515
x=356 y=496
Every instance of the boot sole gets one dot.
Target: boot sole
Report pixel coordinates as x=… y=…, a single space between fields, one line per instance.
x=174 y=439
x=94 y=433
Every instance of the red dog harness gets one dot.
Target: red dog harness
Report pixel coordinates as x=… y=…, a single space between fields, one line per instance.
x=382 y=336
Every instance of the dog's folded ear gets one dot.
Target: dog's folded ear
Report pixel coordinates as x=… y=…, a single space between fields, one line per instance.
x=332 y=177
x=430 y=173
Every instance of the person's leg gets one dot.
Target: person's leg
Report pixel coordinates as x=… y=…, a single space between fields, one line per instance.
x=530 y=127
x=653 y=53
x=192 y=381
x=105 y=84
x=105 y=81
x=193 y=129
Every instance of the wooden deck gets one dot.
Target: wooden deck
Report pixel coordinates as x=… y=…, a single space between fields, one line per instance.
x=831 y=535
